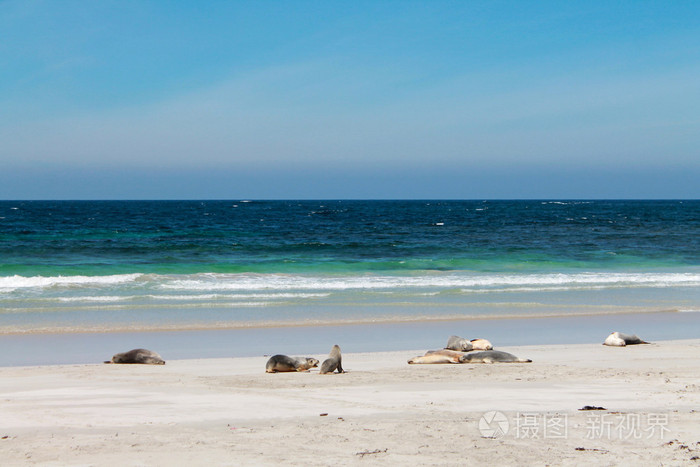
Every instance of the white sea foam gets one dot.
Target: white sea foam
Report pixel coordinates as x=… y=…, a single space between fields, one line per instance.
x=20 y=282
x=106 y=299
x=243 y=296
x=240 y=282
x=273 y=286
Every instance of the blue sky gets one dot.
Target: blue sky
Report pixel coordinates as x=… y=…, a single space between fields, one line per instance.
x=364 y=99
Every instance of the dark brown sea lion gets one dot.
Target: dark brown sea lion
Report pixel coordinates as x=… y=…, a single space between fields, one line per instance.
x=142 y=356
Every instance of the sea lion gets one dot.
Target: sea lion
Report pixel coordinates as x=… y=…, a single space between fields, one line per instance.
x=283 y=363
x=618 y=339
x=143 y=356
x=438 y=356
x=492 y=356
x=465 y=345
x=333 y=362
x=446 y=352
x=481 y=344
x=459 y=344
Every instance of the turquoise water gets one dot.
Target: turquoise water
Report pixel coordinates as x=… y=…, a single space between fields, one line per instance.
x=156 y=265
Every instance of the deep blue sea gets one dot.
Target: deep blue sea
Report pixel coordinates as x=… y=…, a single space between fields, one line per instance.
x=157 y=265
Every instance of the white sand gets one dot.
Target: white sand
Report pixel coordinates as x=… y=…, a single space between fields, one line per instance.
x=382 y=412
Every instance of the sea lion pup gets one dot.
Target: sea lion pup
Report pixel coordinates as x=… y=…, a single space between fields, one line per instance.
x=492 y=356
x=458 y=343
x=333 y=362
x=143 y=356
x=618 y=339
x=481 y=344
x=438 y=356
x=283 y=363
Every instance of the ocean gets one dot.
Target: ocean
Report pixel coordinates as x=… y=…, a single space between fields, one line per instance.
x=154 y=266
x=81 y=280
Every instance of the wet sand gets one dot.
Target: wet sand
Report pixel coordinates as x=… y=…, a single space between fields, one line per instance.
x=90 y=347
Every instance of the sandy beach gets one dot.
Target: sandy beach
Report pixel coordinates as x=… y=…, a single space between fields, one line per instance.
x=228 y=411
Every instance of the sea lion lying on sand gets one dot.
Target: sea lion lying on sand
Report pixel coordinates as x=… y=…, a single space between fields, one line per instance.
x=283 y=363
x=143 y=356
x=459 y=343
x=465 y=345
x=481 y=344
x=333 y=362
x=438 y=356
x=618 y=339
x=453 y=356
x=492 y=356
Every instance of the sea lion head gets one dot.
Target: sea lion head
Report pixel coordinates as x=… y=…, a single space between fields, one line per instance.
x=311 y=362
x=118 y=358
x=465 y=358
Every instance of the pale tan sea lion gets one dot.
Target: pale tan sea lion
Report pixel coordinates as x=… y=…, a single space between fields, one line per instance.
x=333 y=362
x=618 y=339
x=142 y=356
x=283 y=363
x=481 y=344
x=459 y=343
x=438 y=356
x=492 y=356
